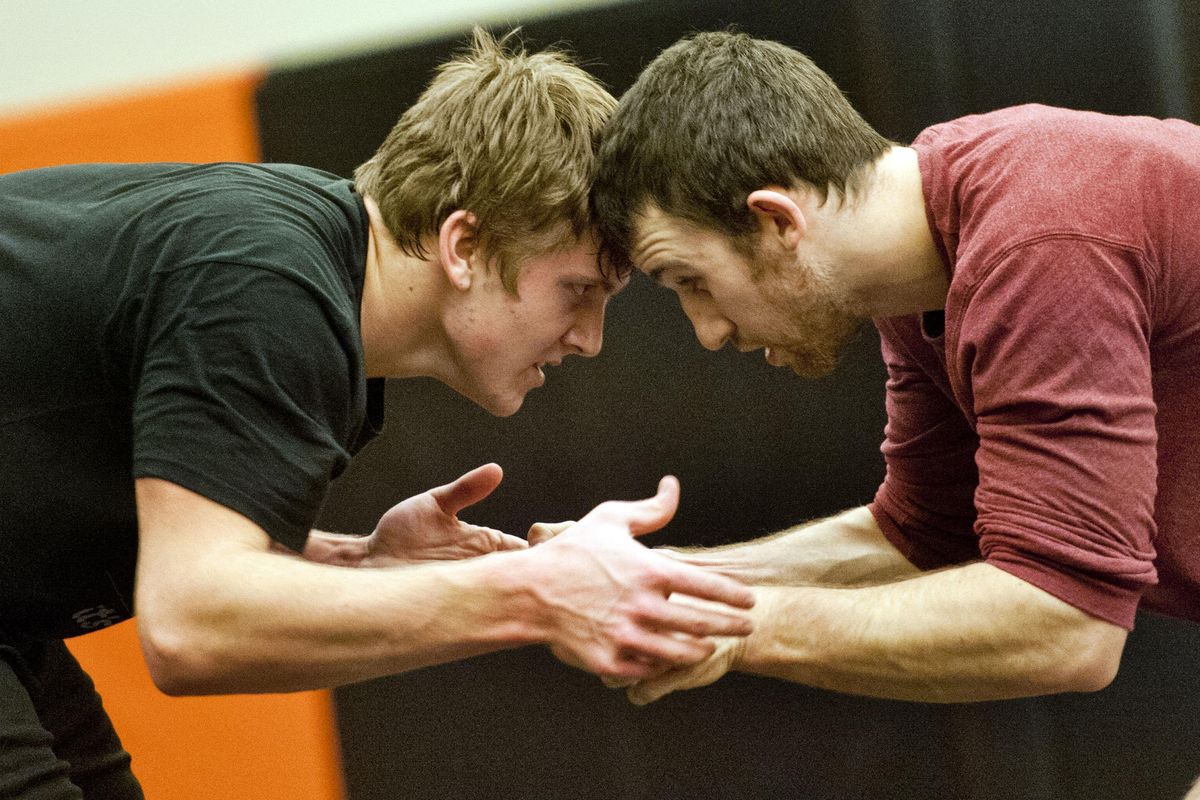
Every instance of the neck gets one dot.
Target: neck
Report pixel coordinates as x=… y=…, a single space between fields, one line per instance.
x=883 y=242
x=401 y=331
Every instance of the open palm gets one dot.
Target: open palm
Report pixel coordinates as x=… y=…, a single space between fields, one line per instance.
x=426 y=527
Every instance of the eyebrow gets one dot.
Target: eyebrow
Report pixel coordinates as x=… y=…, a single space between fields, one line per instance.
x=610 y=286
x=656 y=273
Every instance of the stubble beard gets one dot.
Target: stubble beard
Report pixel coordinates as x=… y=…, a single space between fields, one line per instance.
x=821 y=319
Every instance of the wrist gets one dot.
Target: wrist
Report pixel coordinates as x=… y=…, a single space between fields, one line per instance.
x=754 y=651
x=516 y=580
x=794 y=631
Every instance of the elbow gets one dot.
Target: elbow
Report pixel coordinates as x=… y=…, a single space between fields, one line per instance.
x=1093 y=657
x=1096 y=669
x=166 y=663
x=176 y=659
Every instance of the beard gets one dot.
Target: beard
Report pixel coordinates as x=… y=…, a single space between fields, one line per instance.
x=819 y=318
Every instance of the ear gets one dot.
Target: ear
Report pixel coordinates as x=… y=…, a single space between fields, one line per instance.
x=778 y=215
x=457 y=242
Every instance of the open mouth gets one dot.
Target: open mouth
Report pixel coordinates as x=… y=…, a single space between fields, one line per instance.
x=540 y=368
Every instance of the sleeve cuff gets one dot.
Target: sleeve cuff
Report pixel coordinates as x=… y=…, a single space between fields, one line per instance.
x=291 y=533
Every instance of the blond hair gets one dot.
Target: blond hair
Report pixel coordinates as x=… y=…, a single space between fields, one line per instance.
x=507 y=136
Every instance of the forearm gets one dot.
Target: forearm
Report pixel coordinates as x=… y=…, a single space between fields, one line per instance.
x=298 y=625
x=842 y=550
x=961 y=634
x=219 y=610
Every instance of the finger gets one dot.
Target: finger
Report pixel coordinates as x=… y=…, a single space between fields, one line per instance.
x=619 y=670
x=653 y=669
x=540 y=532
x=650 y=650
x=622 y=671
x=655 y=688
x=688 y=580
x=647 y=691
x=695 y=620
x=658 y=670
x=506 y=541
x=489 y=540
x=468 y=489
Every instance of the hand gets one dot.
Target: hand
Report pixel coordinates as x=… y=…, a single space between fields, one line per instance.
x=606 y=595
x=711 y=559
x=668 y=679
x=724 y=658
x=426 y=527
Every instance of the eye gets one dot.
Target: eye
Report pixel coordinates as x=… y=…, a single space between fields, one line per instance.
x=686 y=284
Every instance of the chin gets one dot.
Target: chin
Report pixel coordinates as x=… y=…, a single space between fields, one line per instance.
x=814 y=371
x=502 y=406
x=496 y=401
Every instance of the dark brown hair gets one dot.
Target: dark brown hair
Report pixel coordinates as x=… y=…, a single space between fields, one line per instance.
x=711 y=119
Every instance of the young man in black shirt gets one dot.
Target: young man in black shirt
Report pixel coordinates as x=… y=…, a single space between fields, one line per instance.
x=192 y=352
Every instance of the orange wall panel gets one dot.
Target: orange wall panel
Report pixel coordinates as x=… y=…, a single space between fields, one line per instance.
x=266 y=747
x=211 y=120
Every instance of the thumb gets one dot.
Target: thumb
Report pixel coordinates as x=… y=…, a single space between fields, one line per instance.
x=468 y=489
x=653 y=513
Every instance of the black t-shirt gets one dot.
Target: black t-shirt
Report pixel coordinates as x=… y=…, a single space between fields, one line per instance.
x=197 y=323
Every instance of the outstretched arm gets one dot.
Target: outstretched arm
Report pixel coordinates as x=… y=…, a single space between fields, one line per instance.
x=841 y=550
x=220 y=612
x=961 y=634
x=840 y=608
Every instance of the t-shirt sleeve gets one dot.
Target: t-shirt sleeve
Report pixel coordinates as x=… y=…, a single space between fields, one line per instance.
x=925 y=505
x=243 y=395
x=1053 y=354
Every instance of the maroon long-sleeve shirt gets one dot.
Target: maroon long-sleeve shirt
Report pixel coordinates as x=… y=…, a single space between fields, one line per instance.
x=1049 y=420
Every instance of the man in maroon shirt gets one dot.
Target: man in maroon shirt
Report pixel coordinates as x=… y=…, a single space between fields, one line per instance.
x=1034 y=274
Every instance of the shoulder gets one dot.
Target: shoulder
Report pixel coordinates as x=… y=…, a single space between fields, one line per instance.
x=1010 y=179
x=263 y=191
x=1016 y=123
x=288 y=218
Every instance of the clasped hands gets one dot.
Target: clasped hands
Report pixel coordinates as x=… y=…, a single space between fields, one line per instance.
x=641 y=619
x=663 y=677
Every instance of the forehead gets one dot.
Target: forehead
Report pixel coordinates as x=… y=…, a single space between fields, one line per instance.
x=576 y=261
x=660 y=240
x=650 y=220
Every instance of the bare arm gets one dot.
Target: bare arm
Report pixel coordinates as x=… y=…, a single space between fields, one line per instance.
x=842 y=550
x=961 y=634
x=218 y=611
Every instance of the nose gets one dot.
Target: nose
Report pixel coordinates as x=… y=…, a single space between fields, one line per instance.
x=586 y=336
x=712 y=328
